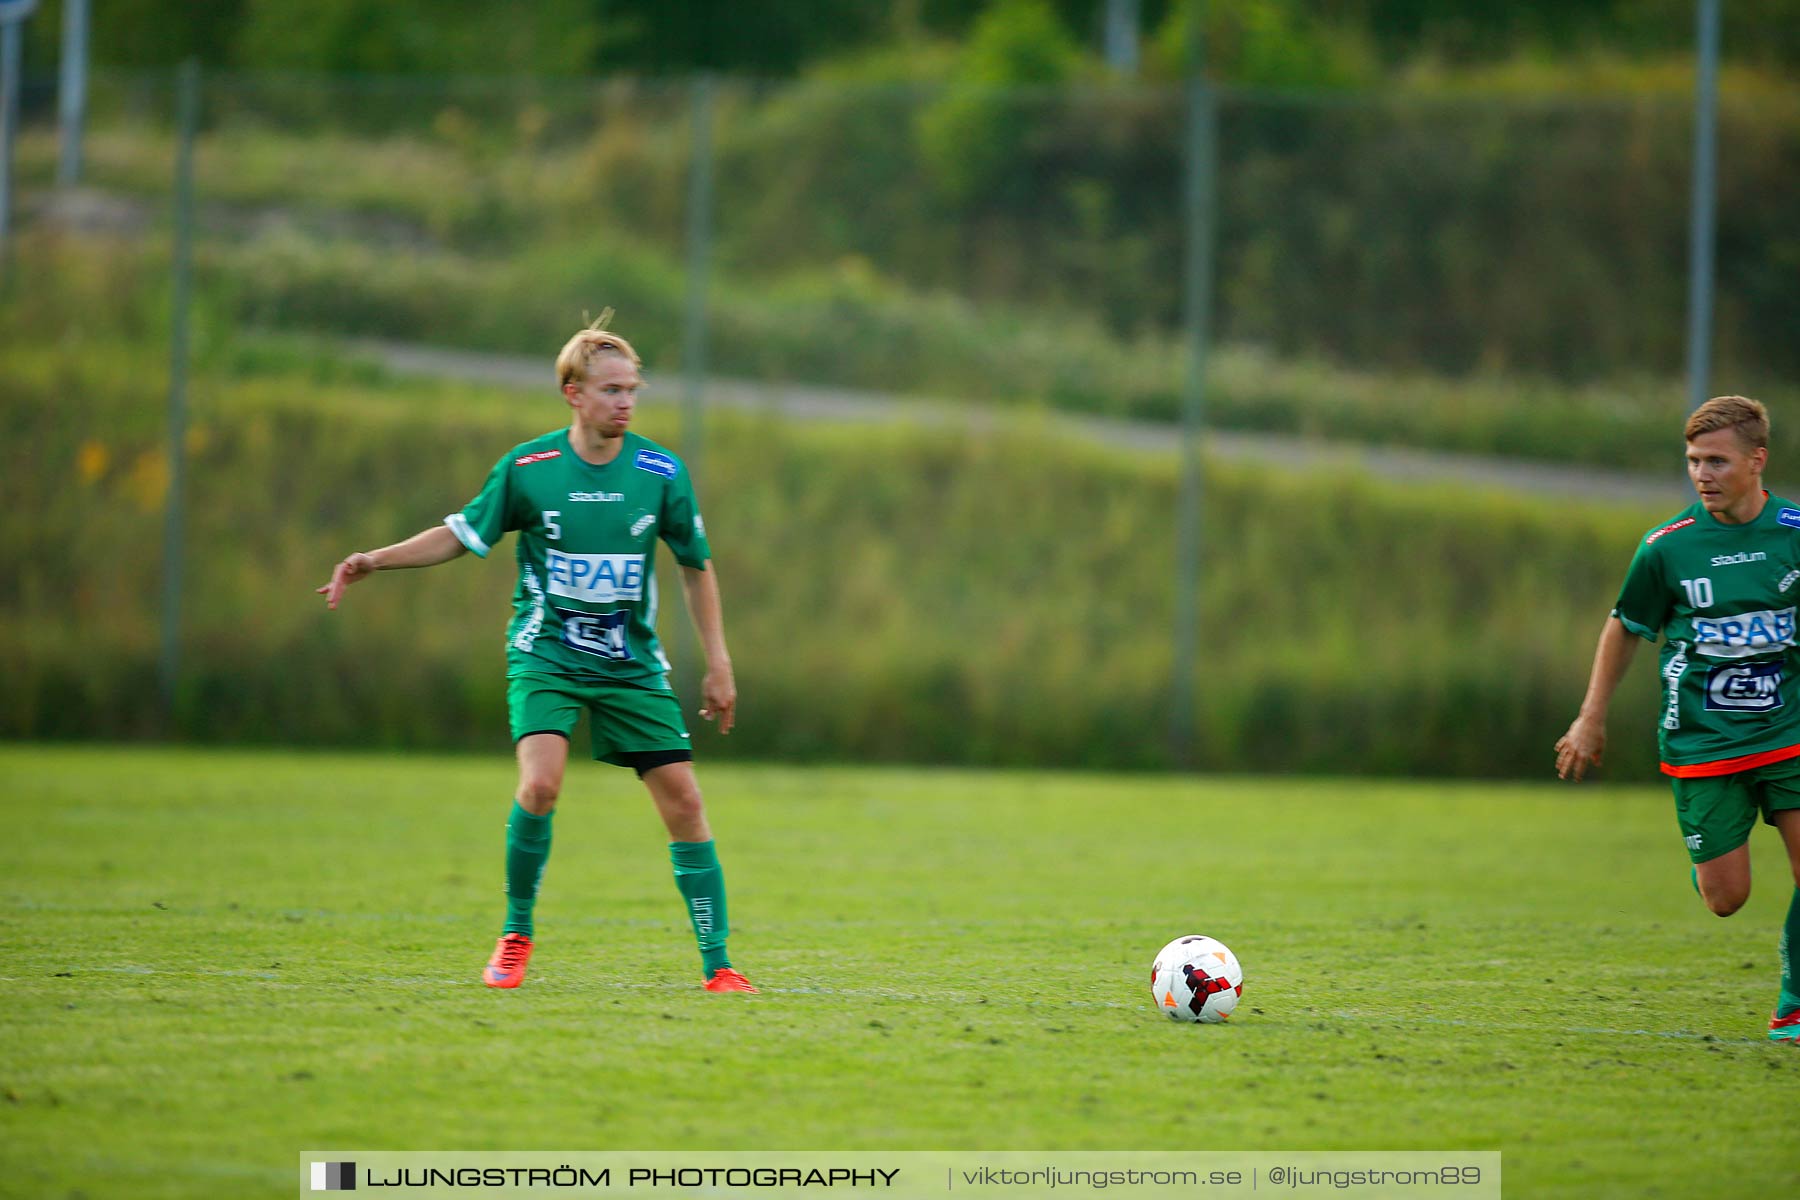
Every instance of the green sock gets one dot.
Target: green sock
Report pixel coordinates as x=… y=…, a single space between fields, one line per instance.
x=1790 y=941
x=702 y=885
x=527 y=850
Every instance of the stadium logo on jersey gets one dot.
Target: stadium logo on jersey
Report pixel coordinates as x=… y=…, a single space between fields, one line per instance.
x=656 y=464
x=1681 y=524
x=1721 y=560
x=525 y=460
x=1745 y=634
x=642 y=523
x=601 y=634
x=1789 y=517
x=596 y=578
x=596 y=497
x=1755 y=687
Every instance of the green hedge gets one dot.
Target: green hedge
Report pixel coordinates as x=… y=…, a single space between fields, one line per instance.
x=1406 y=232
x=846 y=327
x=910 y=594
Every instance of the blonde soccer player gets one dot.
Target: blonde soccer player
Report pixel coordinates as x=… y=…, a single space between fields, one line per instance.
x=589 y=503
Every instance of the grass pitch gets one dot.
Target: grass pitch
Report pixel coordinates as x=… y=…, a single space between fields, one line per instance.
x=216 y=960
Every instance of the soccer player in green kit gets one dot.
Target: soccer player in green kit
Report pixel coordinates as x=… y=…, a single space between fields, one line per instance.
x=589 y=503
x=1719 y=582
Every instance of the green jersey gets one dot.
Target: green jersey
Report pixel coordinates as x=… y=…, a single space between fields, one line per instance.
x=1723 y=597
x=585 y=604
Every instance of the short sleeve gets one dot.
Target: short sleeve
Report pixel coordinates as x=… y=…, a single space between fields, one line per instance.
x=681 y=524
x=1643 y=605
x=484 y=520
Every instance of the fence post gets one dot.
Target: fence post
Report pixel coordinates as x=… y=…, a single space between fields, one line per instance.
x=693 y=337
x=1700 y=216
x=1197 y=309
x=699 y=250
x=12 y=36
x=71 y=91
x=187 y=109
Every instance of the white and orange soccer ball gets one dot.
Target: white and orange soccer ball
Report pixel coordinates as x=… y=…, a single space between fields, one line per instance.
x=1196 y=979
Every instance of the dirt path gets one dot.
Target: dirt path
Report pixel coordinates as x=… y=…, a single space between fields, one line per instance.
x=810 y=403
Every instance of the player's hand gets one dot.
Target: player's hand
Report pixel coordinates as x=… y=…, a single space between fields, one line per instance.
x=718 y=697
x=1580 y=748
x=353 y=568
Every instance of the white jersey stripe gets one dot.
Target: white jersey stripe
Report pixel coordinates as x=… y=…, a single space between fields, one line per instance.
x=465 y=533
x=534 y=624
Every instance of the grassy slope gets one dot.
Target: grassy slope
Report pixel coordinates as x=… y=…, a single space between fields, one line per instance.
x=996 y=598
x=218 y=960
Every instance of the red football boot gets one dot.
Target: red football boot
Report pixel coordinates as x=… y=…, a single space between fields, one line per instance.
x=507 y=968
x=727 y=980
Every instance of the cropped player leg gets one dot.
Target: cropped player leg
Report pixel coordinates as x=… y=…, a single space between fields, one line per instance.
x=698 y=876
x=542 y=758
x=1725 y=881
x=1717 y=814
x=1787 y=1006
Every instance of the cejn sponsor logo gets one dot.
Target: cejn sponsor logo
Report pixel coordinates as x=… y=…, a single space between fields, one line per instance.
x=597 y=578
x=525 y=460
x=1721 y=560
x=600 y=634
x=1745 y=634
x=1754 y=687
x=1670 y=528
x=596 y=497
x=656 y=464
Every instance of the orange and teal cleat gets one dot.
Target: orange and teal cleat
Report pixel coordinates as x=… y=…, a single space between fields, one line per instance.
x=507 y=968
x=1785 y=1029
x=727 y=980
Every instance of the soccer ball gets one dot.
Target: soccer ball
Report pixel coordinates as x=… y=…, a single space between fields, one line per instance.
x=1196 y=979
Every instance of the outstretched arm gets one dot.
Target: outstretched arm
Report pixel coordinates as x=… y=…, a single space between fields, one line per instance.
x=718 y=690
x=1585 y=743
x=424 y=549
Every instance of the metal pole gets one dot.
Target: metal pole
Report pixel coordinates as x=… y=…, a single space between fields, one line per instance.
x=699 y=248
x=187 y=107
x=1201 y=154
x=1701 y=227
x=10 y=36
x=71 y=92
x=1122 y=36
x=693 y=338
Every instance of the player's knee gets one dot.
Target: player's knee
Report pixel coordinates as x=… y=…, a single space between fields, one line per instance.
x=1723 y=903
x=684 y=805
x=537 y=793
x=684 y=813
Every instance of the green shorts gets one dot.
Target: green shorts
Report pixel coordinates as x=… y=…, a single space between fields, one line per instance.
x=1717 y=812
x=624 y=722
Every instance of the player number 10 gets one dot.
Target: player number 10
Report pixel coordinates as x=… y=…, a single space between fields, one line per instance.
x=1699 y=592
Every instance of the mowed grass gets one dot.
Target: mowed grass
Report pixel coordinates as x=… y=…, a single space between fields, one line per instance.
x=215 y=960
